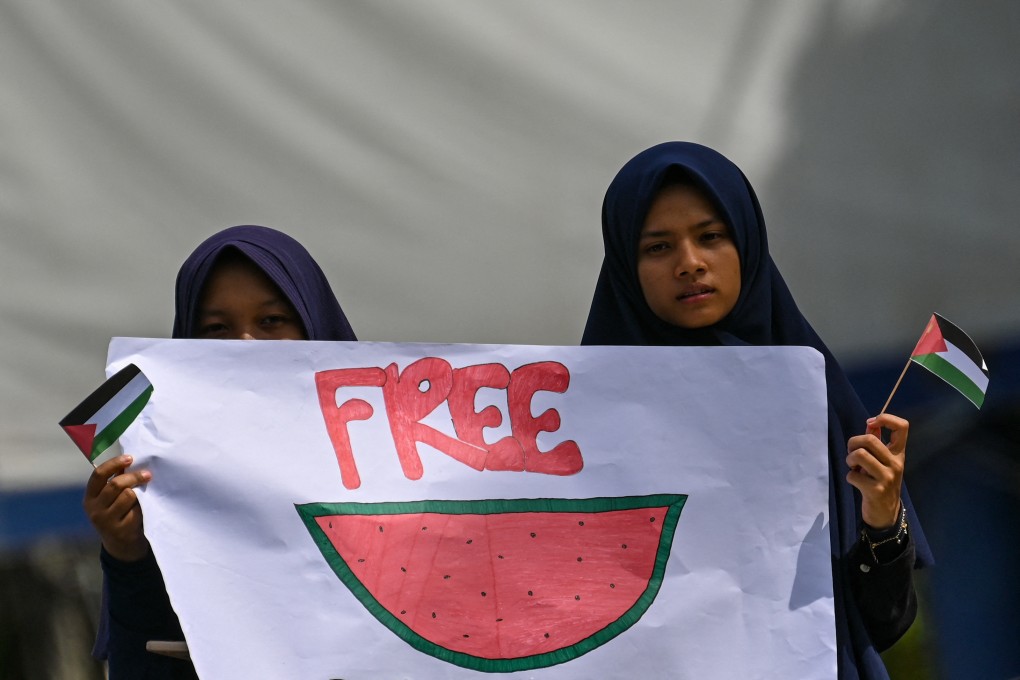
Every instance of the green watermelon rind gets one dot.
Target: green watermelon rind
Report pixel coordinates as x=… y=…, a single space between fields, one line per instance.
x=673 y=502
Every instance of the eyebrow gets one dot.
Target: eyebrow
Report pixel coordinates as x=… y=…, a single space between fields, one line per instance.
x=273 y=302
x=658 y=233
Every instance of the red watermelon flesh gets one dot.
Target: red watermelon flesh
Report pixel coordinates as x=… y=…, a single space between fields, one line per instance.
x=501 y=585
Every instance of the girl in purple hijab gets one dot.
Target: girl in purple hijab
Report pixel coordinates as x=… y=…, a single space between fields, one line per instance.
x=687 y=263
x=245 y=282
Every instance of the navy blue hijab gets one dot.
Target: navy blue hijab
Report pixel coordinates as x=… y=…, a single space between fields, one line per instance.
x=284 y=261
x=764 y=314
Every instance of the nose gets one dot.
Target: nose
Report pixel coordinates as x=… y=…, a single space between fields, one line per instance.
x=689 y=260
x=244 y=332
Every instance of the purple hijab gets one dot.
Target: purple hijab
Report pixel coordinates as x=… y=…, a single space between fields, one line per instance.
x=764 y=314
x=284 y=261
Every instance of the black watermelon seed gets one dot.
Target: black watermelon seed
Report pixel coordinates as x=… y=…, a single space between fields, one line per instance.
x=579 y=559
x=470 y=541
x=446 y=576
x=547 y=634
x=577 y=597
x=466 y=635
x=361 y=559
x=530 y=593
x=424 y=528
x=331 y=526
x=612 y=585
x=433 y=615
x=403 y=611
x=532 y=534
x=499 y=556
x=498 y=620
x=403 y=569
x=624 y=546
x=380 y=529
x=580 y=524
x=651 y=519
x=483 y=593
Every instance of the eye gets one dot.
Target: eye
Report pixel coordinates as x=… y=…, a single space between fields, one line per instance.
x=653 y=248
x=274 y=320
x=212 y=330
x=716 y=235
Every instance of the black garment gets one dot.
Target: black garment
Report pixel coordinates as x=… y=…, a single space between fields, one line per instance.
x=139 y=611
x=884 y=588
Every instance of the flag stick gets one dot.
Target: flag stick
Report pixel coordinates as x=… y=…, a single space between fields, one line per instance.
x=895 y=387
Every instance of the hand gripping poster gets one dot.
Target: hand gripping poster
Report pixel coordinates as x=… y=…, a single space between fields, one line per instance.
x=375 y=510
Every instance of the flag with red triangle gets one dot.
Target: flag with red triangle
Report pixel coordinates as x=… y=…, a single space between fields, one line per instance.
x=948 y=352
x=96 y=423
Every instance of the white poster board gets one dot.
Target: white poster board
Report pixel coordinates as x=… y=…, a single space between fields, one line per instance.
x=576 y=512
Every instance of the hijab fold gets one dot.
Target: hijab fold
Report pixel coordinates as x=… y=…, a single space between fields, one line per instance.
x=764 y=314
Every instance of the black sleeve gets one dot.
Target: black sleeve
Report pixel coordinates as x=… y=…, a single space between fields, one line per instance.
x=140 y=611
x=884 y=588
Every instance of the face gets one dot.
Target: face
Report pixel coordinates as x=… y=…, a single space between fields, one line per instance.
x=239 y=302
x=687 y=261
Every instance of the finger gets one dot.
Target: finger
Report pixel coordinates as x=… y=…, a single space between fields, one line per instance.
x=125 y=540
x=132 y=522
x=863 y=462
x=102 y=474
x=855 y=443
x=109 y=506
x=877 y=448
x=115 y=488
x=877 y=487
x=861 y=481
x=123 y=505
x=872 y=490
x=129 y=480
x=878 y=464
x=873 y=428
x=898 y=429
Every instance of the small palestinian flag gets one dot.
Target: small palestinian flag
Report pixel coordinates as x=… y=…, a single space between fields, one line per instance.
x=949 y=353
x=96 y=423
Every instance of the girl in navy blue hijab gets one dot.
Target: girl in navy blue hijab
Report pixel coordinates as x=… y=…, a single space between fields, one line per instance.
x=687 y=263
x=245 y=282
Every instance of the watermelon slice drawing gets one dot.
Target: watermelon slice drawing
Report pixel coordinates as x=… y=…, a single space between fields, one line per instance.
x=501 y=585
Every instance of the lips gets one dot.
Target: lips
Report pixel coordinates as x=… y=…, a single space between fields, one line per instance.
x=694 y=293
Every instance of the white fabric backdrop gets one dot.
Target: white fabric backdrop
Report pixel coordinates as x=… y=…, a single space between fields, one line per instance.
x=446 y=161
